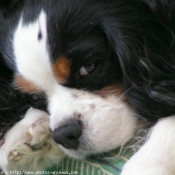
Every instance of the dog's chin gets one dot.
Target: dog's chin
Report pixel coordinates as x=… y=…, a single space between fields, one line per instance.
x=94 y=144
x=79 y=153
x=75 y=153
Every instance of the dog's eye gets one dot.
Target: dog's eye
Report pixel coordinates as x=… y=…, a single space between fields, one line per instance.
x=87 y=69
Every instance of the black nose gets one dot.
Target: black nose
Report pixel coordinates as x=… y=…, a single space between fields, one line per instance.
x=68 y=134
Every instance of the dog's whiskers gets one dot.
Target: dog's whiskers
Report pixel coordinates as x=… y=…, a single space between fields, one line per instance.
x=126 y=91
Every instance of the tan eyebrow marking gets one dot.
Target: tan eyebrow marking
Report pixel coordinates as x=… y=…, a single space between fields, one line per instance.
x=26 y=85
x=61 y=69
x=116 y=90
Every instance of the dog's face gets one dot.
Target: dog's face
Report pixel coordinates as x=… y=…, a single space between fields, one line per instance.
x=65 y=49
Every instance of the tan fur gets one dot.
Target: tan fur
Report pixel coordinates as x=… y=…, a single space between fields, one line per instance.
x=61 y=69
x=26 y=85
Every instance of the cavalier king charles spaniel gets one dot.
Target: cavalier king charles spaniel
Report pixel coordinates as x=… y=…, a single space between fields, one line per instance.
x=99 y=69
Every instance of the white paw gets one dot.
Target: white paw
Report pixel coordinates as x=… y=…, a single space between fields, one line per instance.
x=145 y=166
x=157 y=155
x=29 y=144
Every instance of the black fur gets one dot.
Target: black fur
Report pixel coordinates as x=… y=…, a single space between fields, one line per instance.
x=131 y=42
x=13 y=103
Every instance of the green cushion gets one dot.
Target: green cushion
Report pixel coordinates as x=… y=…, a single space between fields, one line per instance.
x=106 y=164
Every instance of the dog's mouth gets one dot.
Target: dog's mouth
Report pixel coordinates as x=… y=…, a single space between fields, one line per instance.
x=70 y=137
x=84 y=148
x=79 y=153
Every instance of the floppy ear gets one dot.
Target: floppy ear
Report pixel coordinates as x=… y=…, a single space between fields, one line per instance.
x=143 y=53
x=123 y=42
x=146 y=58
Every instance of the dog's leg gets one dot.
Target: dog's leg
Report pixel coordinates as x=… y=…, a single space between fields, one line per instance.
x=29 y=146
x=157 y=156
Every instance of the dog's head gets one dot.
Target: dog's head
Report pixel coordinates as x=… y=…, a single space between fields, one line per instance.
x=86 y=56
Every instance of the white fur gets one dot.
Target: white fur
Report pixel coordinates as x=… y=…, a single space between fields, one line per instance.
x=157 y=156
x=31 y=55
x=29 y=145
x=110 y=124
x=107 y=123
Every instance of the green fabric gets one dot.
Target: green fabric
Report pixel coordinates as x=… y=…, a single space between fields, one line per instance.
x=107 y=164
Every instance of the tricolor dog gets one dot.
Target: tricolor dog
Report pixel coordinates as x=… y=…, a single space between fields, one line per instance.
x=102 y=67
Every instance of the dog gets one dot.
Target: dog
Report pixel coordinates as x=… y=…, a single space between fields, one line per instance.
x=103 y=67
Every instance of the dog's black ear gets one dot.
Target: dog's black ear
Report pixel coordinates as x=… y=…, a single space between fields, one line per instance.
x=146 y=57
x=124 y=44
x=7 y=5
x=132 y=36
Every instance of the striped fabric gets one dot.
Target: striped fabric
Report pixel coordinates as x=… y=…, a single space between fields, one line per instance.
x=107 y=164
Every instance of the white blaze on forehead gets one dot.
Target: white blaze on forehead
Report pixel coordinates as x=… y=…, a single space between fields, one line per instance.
x=31 y=54
x=33 y=63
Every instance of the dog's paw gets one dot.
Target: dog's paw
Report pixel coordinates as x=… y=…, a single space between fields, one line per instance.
x=29 y=144
x=157 y=155
x=137 y=166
